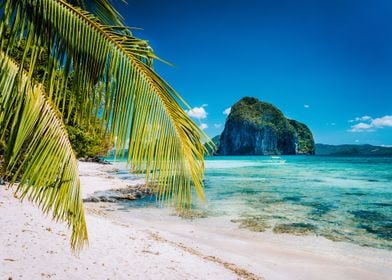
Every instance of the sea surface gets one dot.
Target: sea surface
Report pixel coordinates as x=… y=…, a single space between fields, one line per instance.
x=340 y=198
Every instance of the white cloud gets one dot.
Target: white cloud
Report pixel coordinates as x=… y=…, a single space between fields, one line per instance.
x=227 y=111
x=197 y=112
x=217 y=125
x=385 y=121
x=368 y=124
x=306 y=106
x=357 y=141
x=203 y=126
x=361 y=127
x=362 y=119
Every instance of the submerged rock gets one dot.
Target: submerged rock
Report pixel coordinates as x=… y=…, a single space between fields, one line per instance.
x=255 y=223
x=295 y=228
x=366 y=215
x=191 y=214
x=259 y=128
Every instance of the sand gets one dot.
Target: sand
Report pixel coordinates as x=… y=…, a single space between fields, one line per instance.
x=152 y=244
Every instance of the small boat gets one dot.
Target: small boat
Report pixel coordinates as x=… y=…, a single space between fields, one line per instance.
x=277 y=159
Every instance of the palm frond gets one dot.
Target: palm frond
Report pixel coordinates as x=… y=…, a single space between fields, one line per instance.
x=39 y=154
x=140 y=109
x=103 y=9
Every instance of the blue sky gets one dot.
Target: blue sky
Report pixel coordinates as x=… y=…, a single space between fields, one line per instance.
x=325 y=63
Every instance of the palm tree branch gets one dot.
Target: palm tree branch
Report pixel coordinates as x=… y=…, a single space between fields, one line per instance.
x=40 y=156
x=139 y=107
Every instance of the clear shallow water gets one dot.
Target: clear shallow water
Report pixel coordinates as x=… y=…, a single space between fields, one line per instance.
x=342 y=199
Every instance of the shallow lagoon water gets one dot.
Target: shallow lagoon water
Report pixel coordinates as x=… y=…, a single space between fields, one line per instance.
x=342 y=199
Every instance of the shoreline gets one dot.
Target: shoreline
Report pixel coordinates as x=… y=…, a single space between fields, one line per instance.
x=270 y=255
x=152 y=244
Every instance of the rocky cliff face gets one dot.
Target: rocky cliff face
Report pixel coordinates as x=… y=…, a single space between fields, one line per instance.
x=304 y=138
x=259 y=128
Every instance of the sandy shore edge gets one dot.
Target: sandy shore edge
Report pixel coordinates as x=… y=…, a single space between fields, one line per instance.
x=34 y=247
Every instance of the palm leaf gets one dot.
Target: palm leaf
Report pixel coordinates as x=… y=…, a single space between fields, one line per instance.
x=38 y=146
x=140 y=109
x=103 y=9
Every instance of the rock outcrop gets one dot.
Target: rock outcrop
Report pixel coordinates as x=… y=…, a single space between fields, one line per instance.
x=123 y=194
x=304 y=142
x=259 y=128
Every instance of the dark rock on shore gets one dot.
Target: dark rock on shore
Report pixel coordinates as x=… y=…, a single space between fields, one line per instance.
x=117 y=195
x=95 y=159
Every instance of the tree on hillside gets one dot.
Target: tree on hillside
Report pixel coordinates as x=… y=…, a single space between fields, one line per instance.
x=80 y=65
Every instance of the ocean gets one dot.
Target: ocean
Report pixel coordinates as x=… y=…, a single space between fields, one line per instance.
x=340 y=198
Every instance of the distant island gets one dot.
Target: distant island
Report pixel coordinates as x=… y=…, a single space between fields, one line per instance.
x=347 y=150
x=254 y=127
x=353 y=150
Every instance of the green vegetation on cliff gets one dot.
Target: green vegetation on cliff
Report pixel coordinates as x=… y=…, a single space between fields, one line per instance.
x=260 y=114
x=259 y=128
x=305 y=141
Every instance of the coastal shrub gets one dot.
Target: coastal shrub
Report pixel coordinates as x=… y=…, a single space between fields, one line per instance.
x=89 y=143
x=87 y=140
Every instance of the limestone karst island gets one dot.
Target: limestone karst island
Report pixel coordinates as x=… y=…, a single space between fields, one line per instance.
x=259 y=128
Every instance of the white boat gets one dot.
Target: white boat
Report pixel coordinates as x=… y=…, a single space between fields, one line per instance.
x=277 y=159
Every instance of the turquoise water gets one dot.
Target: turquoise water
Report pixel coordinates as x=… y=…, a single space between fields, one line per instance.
x=342 y=199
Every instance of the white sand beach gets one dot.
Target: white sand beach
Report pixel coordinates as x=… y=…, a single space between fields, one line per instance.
x=152 y=244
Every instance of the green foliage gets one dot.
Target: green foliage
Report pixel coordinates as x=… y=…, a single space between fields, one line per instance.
x=304 y=138
x=2 y=146
x=75 y=70
x=37 y=151
x=87 y=143
x=261 y=114
x=2 y=167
